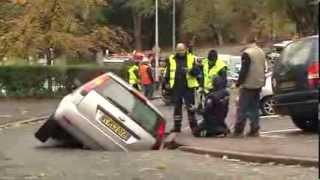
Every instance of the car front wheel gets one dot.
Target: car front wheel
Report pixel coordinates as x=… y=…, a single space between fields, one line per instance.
x=267 y=106
x=308 y=124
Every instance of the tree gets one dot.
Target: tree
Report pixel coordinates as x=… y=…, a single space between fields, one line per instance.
x=141 y=12
x=69 y=27
x=304 y=13
x=139 y=9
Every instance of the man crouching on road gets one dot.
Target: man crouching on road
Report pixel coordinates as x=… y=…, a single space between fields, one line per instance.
x=181 y=73
x=251 y=80
x=215 y=111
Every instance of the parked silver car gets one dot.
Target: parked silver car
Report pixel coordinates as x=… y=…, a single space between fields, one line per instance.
x=266 y=95
x=107 y=113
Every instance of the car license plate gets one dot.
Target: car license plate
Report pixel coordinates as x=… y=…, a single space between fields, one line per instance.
x=115 y=127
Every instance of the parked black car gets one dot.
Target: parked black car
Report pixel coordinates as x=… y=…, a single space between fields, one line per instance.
x=295 y=83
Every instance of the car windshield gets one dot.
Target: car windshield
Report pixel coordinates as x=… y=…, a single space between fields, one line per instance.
x=297 y=53
x=130 y=104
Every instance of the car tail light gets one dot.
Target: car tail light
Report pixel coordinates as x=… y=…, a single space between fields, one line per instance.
x=313 y=75
x=93 y=84
x=160 y=132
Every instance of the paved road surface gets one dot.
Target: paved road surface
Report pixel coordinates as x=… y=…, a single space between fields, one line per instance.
x=22 y=157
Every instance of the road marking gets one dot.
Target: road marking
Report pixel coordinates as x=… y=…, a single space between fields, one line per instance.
x=272 y=136
x=280 y=131
x=185 y=128
x=271 y=116
x=5 y=116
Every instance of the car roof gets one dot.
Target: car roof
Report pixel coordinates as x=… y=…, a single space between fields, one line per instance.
x=282 y=44
x=306 y=38
x=313 y=36
x=309 y=37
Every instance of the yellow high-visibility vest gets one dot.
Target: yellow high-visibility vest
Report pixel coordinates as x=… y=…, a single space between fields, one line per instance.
x=133 y=79
x=210 y=73
x=192 y=82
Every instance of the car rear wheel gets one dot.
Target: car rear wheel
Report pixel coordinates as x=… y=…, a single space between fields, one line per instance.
x=46 y=130
x=267 y=106
x=308 y=124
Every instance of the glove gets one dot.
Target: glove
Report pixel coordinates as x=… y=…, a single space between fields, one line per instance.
x=167 y=86
x=201 y=90
x=185 y=70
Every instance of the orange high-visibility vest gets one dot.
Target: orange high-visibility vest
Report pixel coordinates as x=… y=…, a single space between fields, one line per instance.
x=145 y=79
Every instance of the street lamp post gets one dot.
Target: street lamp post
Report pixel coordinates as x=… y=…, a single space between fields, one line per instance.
x=157 y=43
x=173 y=25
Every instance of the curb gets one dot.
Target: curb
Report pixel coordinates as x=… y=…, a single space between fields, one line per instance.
x=35 y=119
x=253 y=157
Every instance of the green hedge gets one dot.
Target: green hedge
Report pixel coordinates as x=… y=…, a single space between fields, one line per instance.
x=48 y=81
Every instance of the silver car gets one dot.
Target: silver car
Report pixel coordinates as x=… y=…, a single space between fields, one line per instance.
x=266 y=101
x=107 y=113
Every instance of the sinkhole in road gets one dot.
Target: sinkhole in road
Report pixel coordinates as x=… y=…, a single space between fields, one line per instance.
x=66 y=141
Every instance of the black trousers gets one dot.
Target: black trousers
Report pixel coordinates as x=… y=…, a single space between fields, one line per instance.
x=186 y=97
x=214 y=115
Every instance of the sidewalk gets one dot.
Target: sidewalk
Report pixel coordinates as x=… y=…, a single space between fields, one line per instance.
x=13 y=110
x=294 y=148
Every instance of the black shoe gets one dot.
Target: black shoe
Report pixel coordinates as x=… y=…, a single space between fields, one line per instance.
x=253 y=134
x=236 y=135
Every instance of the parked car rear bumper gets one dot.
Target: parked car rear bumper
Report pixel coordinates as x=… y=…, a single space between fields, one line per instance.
x=305 y=102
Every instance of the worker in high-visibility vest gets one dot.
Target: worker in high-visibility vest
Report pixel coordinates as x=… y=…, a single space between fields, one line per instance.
x=146 y=78
x=133 y=71
x=181 y=72
x=212 y=67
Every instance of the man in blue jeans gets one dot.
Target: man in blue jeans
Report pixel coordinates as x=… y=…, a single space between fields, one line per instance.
x=251 y=80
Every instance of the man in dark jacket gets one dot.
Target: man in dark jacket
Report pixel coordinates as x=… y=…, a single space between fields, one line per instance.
x=181 y=73
x=215 y=111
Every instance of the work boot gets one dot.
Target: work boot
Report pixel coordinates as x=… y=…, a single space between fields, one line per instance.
x=237 y=134
x=253 y=133
x=254 y=130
